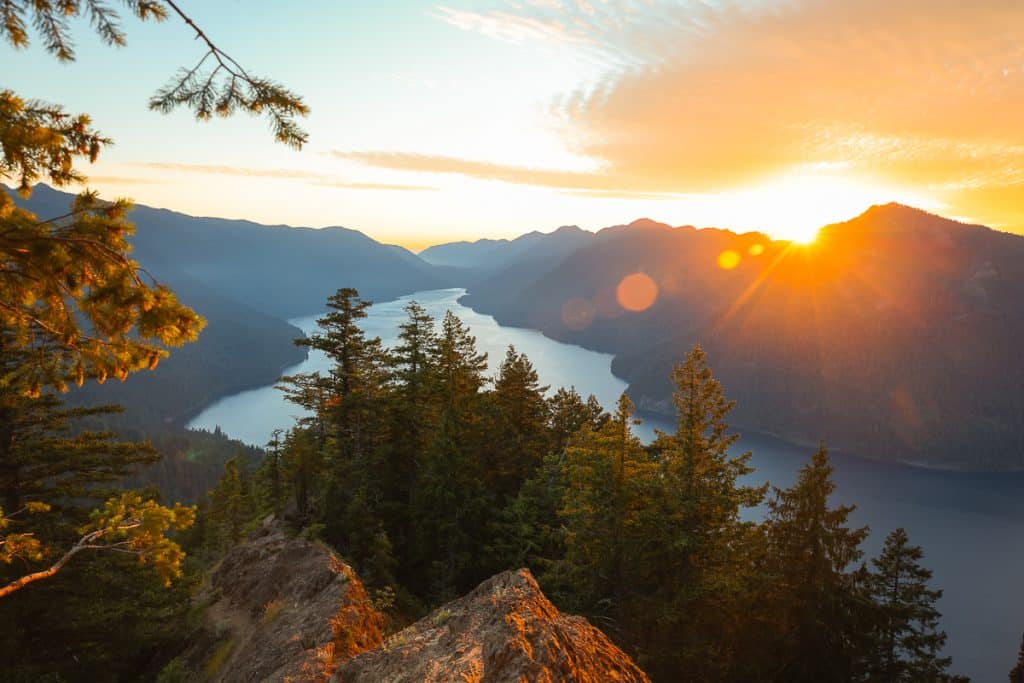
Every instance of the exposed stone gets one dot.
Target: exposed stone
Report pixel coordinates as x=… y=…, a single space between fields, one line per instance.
x=504 y=631
x=283 y=609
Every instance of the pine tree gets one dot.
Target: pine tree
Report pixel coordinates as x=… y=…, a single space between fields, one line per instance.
x=412 y=415
x=519 y=441
x=701 y=541
x=230 y=504
x=270 y=476
x=569 y=413
x=352 y=415
x=302 y=464
x=450 y=506
x=908 y=636
x=531 y=532
x=606 y=513
x=59 y=487
x=820 y=607
x=1017 y=673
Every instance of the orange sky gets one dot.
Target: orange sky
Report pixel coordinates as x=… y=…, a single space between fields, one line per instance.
x=495 y=117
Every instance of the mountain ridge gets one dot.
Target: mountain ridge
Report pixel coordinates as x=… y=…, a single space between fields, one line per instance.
x=790 y=330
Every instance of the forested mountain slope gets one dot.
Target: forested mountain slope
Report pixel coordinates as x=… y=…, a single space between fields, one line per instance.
x=279 y=270
x=245 y=279
x=894 y=335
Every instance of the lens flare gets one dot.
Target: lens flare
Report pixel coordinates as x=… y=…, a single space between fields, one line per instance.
x=729 y=259
x=637 y=292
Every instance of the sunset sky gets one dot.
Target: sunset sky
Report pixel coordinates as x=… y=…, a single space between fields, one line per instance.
x=453 y=120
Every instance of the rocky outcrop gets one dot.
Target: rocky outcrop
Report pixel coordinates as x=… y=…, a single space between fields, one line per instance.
x=281 y=608
x=504 y=631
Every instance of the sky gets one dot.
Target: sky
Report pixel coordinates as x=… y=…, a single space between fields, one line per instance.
x=460 y=119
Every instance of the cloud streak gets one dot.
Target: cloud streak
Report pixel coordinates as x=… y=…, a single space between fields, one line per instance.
x=313 y=178
x=925 y=94
x=481 y=170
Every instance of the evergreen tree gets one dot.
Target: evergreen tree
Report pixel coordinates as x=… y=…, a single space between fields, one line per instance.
x=520 y=438
x=908 y=636
x=352 y=415
x=302 y=465
x=1017 y=673
x=820 y=608
x=701 y=541
x=230 y=504
x=53 y=481
x=606 y=514
x=449 y=506
x=530 y=533
x=270 y=477
x=569 y=413
x=412 y=416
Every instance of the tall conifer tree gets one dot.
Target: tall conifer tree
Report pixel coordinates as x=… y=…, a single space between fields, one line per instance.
x=821 y=608
x=908 y=636
x=701 y=540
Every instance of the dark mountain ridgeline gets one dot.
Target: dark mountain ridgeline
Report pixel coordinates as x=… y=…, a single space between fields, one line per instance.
x=280 y=270
x=895 y=335
x=245 y=279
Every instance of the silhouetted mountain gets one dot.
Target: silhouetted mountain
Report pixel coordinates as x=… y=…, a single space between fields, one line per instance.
x=895 y=335
x=280 y=270
x=534 y=255
x=244 y=278
x=496 y=255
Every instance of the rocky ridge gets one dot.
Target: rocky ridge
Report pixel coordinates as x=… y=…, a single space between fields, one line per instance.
x=504 y=631
x=281 y=608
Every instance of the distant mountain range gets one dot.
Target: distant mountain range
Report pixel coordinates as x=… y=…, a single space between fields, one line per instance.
x=895 y=335
x=246 y=279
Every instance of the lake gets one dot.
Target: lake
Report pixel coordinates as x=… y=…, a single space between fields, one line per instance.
x=969 y=524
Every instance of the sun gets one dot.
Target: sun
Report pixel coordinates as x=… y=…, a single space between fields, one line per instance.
x=794 y=206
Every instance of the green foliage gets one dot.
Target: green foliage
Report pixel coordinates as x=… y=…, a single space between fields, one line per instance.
x=1017 y=673
x=41 y=140
x=63 y=626
x=76 y=304
x=908 y=638
x=231 y=505
x=216 y=84
x=819 y=608
x=519 y=435
x=429 y=480
x=610 y=481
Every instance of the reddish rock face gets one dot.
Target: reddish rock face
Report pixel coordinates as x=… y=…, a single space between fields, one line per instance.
x=283 y=608
x=504 y=631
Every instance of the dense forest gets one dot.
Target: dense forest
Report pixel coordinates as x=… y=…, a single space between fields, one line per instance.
x=429 y=477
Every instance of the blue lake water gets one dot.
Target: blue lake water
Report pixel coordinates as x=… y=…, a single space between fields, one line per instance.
x=968 y=524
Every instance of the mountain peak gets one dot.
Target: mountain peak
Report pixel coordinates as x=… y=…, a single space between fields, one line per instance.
x=901 y=218
x=646 y=224
x=566 y=229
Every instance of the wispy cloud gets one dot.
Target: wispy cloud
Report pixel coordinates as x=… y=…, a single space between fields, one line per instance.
x=483 y=170
x=216 y=169
x=313 y=178
x=923 y=93
x=398 y=187
x=118 y=180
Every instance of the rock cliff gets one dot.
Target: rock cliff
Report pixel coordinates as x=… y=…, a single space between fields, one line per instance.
x=504 y=631
x=281 y=608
